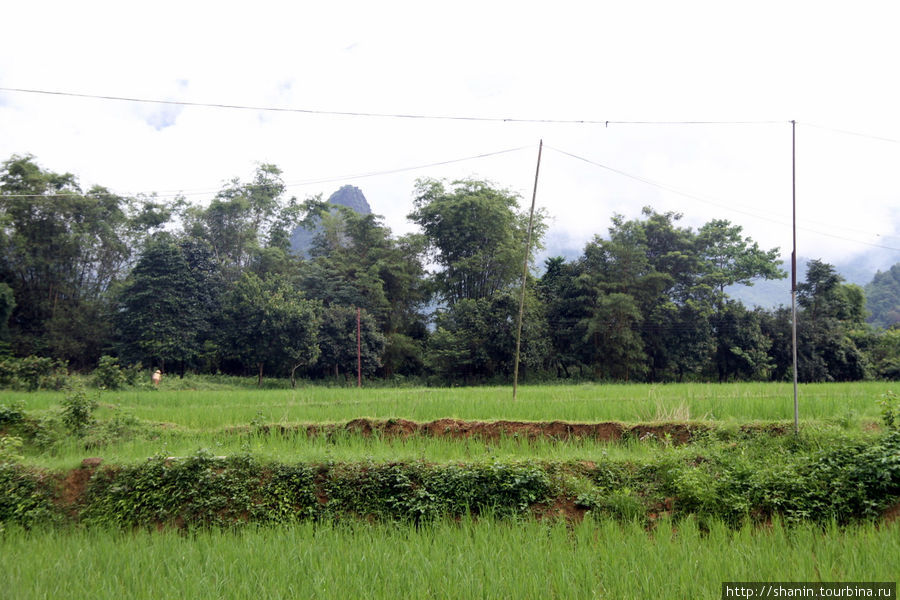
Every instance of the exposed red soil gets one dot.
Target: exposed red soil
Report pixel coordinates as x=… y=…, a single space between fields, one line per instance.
x=563 y=508
x=74 y=483
x=892 y=514
x=611 y=431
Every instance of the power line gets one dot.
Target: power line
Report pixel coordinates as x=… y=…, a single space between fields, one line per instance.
x=856 y=133
x=294 y=184
x=337 y=113
x=674 y=190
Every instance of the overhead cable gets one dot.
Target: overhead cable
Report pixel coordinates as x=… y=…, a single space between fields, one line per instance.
x=718 y=204
x=337 y=113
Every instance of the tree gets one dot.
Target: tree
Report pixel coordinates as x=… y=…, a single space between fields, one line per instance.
x=355 y=262
x=568 y=297
x=730 y=259
x=612 y=328
x=883 y=297
x=476 y=236
x=243 y=220
x=337 y=342
x=268 y=323
x=475 y=339
x=742 y=349
x=831 y=309
x=7 y=304
x=60 y=251
x=161 y=315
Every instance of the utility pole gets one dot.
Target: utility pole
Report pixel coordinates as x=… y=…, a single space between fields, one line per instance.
x=358 y=351
x=794 y=270
x=525 y=272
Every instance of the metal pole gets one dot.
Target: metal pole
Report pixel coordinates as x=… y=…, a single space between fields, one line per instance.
x=358 y=352
x=525 y=273
x=794 y=270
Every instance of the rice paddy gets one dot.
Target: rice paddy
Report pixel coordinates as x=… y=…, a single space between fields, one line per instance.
x=483 y=557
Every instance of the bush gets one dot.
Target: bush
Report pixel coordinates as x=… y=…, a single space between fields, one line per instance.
x=109 y=375
x=11 y=414
x=890 y=410
x=33 y=373
x=77 y=410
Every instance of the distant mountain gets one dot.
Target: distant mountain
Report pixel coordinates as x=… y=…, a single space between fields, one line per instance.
x=349 y=196
x=883 y=297
x=771 y=294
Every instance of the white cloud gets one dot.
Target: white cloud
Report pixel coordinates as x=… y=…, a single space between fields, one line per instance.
x=815 y=62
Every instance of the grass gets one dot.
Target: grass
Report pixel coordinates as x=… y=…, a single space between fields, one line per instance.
x=486 y=558
x=179 y=422
x=344 y=446
x=208 y=409
x=483 y=558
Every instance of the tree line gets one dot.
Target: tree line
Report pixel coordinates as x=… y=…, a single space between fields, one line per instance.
x=216 y=288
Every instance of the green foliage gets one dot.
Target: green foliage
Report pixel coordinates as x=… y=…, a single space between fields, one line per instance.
x=77 y=410
x=337 y=343
x=267 y=322
x=890 y=410
x=33 y=373
x=7 y=304
x=159 y=318
x=63 y=250
x=476 y=339
x=476 y=234
x=883 y=298
x=109 y=374
x=9 y=448
x=11 y=413
x=27 y=497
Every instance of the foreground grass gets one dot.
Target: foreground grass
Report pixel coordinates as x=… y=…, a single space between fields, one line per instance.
x=483 y=558
x=205 y=409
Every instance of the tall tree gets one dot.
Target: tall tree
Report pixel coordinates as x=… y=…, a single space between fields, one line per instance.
x=7 y=304
x=161 y=318
x=244 y=220
x=476 y=235
x=266 y=322
x=356 y=262
x=729 y=259
x=60 y=251
x=830 y=309
x=338 y=343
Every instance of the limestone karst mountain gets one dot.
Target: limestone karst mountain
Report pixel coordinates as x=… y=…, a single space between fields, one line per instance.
x=349 y=196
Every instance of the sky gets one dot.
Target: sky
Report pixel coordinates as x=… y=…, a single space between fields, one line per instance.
x=830 y=66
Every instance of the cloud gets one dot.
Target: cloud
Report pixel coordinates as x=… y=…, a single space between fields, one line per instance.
x=164 y=117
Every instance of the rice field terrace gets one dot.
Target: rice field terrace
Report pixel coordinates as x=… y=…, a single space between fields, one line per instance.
x=616 y=491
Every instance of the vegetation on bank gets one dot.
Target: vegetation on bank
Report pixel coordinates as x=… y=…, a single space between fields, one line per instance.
x=729 y=474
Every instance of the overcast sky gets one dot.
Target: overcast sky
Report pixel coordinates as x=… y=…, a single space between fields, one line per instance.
x=828 y=65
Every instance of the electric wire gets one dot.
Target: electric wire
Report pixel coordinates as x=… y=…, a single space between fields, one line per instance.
x=722 y=205
x=203 y=191
x=338 y=113
x=854 y=133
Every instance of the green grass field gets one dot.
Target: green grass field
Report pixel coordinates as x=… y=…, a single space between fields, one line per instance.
x=486 y=558
x=145 y=423
x=580 y=403
x=472 y=558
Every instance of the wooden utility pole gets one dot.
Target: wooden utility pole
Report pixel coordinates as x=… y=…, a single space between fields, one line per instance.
x=794 y=270
x=525 y=273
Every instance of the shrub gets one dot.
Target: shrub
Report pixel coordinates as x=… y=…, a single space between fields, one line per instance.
x=11 y=414
x=77 y=410
x=890 y=410
x=32 y=373
x=109 y=375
